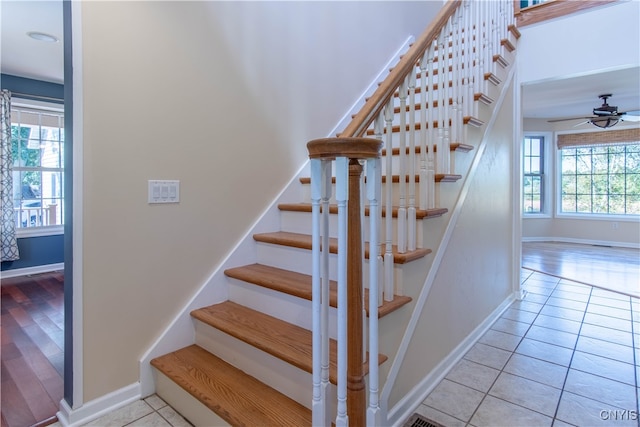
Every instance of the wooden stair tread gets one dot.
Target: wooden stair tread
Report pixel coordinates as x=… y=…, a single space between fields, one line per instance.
x=235 y=396
x=299 y=285
x=303 y=241
x=440 y=177
x=333 y=209
x=283 y=340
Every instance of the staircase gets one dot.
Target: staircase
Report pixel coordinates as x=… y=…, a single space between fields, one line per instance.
x=250 y=363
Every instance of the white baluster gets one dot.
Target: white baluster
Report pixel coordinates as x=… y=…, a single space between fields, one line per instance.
x=388 y=253
x=443 y=104
x=455 y=107
x=373 y=196
x=378 y=127
x=447 y=108
x=431 y=136
x=342 y=196
x=402 y=184
x=468 y=47
x=425 y=72
x=319 y=398
x=325 y=305
x=411 y=211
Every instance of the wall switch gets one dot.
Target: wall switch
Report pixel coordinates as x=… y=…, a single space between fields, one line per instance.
x=164 y=191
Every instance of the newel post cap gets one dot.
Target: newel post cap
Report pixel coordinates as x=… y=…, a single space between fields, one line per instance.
x=350 y=147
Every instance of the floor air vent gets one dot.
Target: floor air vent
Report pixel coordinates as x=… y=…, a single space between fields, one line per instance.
x=418 y=420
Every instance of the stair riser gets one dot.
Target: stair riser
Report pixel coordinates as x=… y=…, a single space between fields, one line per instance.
x=299 y=260
x=289 y=308
x=300 y=222
x=187 y=405
x=284 y=377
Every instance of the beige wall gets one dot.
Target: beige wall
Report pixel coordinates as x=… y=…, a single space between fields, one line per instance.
x=222 y=96
x=476 y=272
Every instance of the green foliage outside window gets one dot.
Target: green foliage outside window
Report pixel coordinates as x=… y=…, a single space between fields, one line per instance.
x=601 y=180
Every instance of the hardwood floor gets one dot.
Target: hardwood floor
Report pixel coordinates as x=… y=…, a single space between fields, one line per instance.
x=32 y=359
x=616 y=269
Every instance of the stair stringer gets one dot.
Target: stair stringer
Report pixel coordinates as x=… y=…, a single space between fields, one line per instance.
x=403 y=408
x=180 y=331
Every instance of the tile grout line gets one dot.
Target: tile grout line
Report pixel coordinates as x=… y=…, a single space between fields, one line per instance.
x=468 y=423
x=573 y=352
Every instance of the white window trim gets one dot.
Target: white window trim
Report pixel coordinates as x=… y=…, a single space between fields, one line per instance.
x=547 y=181
x=48 y=230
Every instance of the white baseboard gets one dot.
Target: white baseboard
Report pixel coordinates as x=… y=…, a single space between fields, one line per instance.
x=16 y=272
x=94 y=409
x=582 y=241
x=412 y=400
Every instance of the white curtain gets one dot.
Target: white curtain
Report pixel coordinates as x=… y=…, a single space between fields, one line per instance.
x=8 y=243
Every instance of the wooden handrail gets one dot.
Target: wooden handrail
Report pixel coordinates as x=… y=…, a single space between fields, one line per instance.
x=367 y=114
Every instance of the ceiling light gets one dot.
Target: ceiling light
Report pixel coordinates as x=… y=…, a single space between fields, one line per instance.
x=605 y=122
x=43 y=37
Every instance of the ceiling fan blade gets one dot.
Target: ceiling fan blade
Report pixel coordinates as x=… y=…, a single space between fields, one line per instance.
x=629 y=118
x=582 y=123
x=572 y=118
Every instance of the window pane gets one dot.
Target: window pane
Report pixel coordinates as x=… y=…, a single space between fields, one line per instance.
x=583 y=203
x=569 y=164
x=569 y=204
x=617 y=204
x=633 y=205
x=583 y=163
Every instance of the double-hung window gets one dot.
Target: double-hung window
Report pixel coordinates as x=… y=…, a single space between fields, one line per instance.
x=600 y=173
x=37 y=144
x=534 y=178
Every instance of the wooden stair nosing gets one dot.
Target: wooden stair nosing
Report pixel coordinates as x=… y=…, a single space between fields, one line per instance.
x=299 y=285
x=276 y=337
x=514 y=30
x=303 y=241
x=216 y=384
x=440 y=177
x=333 y=209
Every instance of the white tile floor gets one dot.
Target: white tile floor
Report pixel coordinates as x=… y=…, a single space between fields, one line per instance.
x=150 y=412
x=567 y=354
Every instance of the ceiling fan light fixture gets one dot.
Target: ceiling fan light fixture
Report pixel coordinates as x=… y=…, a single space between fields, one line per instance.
x=604 y=122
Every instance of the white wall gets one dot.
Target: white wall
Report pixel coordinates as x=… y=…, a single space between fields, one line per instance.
x=550 y=51
x=595 y=40
x=222 y=96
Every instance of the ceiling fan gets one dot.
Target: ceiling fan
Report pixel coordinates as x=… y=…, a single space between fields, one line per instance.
x=606 y=116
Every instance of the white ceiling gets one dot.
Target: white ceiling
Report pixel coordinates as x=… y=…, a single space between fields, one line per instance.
x=577 y=96
x=25 y=57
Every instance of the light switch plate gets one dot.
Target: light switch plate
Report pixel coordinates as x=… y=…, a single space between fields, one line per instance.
x=164 y=191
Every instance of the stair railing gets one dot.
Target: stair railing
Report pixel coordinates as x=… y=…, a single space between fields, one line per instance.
x=453 y=60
